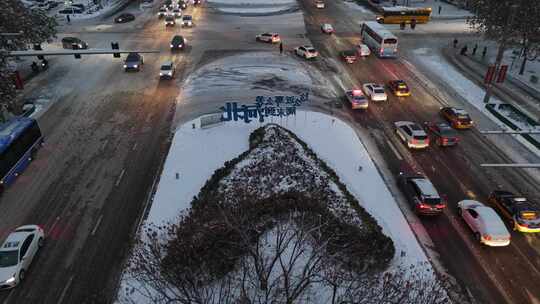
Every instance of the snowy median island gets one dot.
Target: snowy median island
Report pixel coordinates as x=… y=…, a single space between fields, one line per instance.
x=274 y=223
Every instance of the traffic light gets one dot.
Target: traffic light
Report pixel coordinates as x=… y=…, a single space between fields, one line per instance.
x=76 y=47
x=114 y=46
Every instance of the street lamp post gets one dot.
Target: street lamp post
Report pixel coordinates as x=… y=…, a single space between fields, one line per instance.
x=502 y=48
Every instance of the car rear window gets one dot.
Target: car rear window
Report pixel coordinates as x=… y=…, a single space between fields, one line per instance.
x=165 y=67
x=432 y=200
x=420 y=137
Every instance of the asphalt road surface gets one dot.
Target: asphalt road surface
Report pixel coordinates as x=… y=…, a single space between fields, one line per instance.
x=107 y=132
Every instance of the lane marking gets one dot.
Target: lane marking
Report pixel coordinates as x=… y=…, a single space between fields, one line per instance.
x=64 y=291
x=8 y=297
x=396 y=152
x=97 y=225
x=134 y=147
x=120 y=177
x=53 y=225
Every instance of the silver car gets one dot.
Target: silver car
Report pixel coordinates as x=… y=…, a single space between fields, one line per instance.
x=412 y=134
x=375 y=91
x=17 y=253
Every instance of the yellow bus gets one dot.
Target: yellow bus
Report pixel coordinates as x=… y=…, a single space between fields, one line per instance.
x=399 y=14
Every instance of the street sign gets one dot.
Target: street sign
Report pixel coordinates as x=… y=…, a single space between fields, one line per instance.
x=502 y=73
x=265 y=106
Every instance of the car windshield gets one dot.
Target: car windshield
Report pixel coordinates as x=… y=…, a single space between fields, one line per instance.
x=187 y=17
x=165 y=67
x=9 y=258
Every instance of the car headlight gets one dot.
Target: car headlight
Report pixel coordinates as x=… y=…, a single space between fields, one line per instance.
x=172 y=45
x=135 y=66
x=10 y=280
x=125 y=65
x=160 y=74
x=80 y=45
x=170 y=73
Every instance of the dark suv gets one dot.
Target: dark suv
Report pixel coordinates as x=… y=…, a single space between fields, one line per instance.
x=134 y=61
x=70 y=42
x=421 y=194
x=178 y=43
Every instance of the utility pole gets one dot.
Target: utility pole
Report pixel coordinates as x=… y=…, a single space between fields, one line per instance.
x=502 y=48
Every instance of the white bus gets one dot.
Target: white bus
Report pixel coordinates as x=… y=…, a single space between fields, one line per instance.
x=380 y=40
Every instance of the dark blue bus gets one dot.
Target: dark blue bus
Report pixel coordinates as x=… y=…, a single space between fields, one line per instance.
x=20 y=138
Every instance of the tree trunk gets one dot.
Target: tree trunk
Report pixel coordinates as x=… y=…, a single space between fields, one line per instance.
x=522 y=68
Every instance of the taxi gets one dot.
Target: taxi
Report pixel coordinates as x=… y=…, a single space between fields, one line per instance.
x=458 y=118
x=399 y=88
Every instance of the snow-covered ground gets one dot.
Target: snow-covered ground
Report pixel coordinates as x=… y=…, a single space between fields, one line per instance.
x=253 y=7
x=471 y=92
x=532 y=68
x=196 y=153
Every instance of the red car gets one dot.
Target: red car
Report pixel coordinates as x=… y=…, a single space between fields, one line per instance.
x=444 y=135
x=458 y=118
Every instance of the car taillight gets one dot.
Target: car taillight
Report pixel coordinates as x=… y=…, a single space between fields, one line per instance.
x=423 y=206
x=487 y=237
x=414 y=141
x=440 y=206
x=523 y=224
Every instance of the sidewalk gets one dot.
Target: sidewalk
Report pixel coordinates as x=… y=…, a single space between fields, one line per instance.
x=447 y=11
x=511 y=91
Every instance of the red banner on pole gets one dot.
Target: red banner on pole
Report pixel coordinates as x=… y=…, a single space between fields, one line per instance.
x=18 y=81
x=489 y=74
x=502 y=73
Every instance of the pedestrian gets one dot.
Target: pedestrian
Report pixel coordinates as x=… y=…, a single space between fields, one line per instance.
x=440 y=8
x=281 y=48
x=464 y=50
x=68 y=19
x=413 y=24
x=484 y=52
x=474 y=49
x=455 y=42
x=402 y=25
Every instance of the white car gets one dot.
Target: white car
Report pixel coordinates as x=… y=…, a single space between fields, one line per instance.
x=17 y=253
x=268 y=37
x=363 y=50
x=187 y=20
x=375 y=92
x=177 y=13
x=327 y=28
x=487 y=226
x=306 y=51
x=319 y=4
x=412 y=134
x=167 y=70
x=357 y=99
